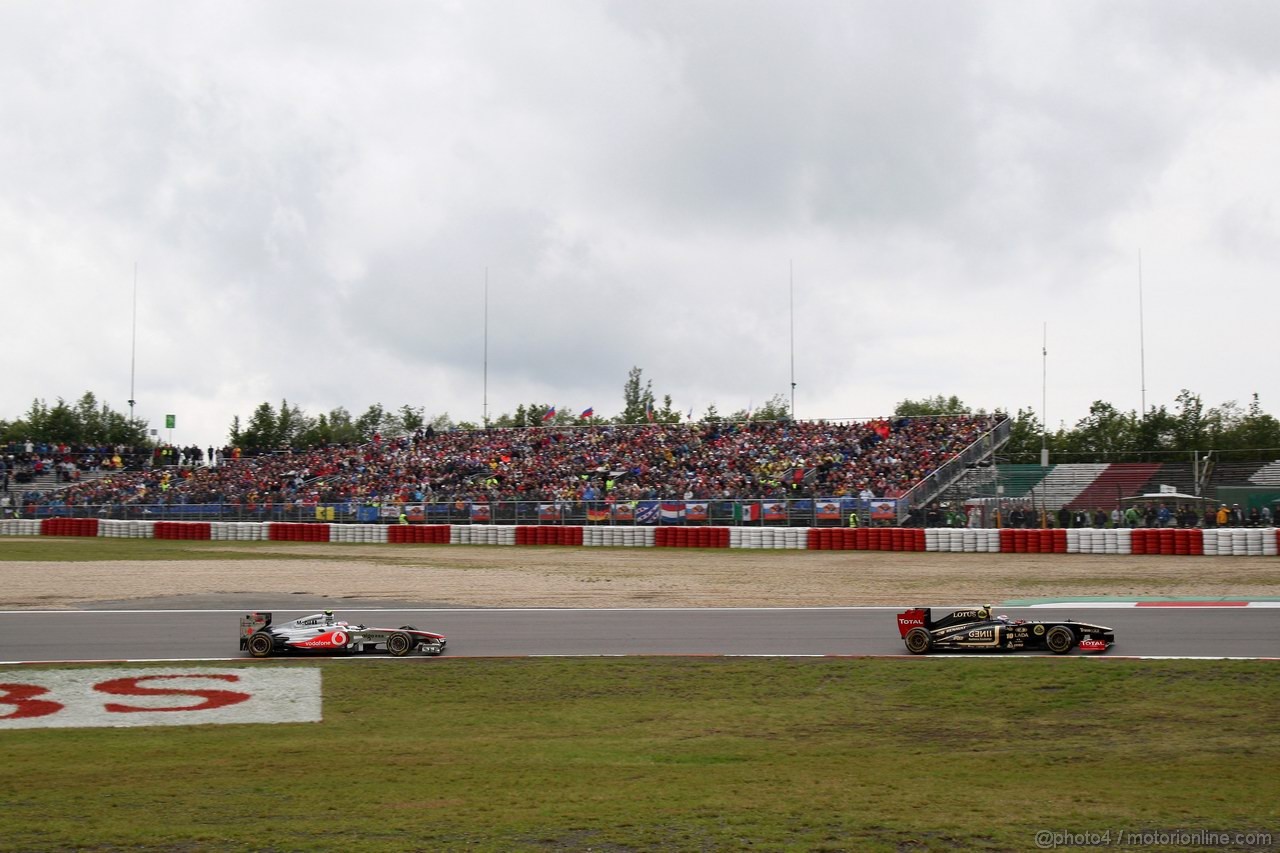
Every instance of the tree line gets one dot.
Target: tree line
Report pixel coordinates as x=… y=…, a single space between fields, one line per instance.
x=1107 y=434
x=84 y=422
x=271 y=427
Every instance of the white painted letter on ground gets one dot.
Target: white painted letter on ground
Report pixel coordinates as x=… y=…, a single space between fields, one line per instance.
x=184 y=696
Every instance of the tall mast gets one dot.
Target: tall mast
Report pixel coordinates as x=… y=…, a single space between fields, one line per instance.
x=791 y=278
x=485 y=380
x=133 y=344
x=1142 y=347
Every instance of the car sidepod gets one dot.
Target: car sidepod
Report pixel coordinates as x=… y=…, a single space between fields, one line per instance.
x=335 y=640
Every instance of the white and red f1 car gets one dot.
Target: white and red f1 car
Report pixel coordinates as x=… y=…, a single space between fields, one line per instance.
x=320 y=632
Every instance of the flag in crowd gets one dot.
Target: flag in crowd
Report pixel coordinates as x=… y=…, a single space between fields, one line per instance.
x=672 y=511
x=648 y=411
x=550 y=413
x=588 y=412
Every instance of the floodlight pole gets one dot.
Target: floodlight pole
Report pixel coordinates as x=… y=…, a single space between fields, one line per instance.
x=1044 y=424
x=791 y=277
x=1044 y=397
x=133 y=345
x=1142 y=348
x=485 y=378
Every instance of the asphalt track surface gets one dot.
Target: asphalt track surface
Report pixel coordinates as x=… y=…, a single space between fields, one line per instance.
x=207 y=630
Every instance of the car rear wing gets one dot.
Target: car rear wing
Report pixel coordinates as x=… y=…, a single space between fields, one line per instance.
x=250 y=624
x=916 y=617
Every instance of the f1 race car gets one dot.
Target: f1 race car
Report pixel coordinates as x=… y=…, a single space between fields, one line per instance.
x=320 y=632
x=980 y=629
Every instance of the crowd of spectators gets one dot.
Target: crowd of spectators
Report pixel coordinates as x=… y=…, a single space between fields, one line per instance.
x=25 y=462
x=692 y=461
x=1150 y=514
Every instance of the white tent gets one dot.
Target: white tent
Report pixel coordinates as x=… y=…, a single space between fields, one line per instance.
x=1176 y=497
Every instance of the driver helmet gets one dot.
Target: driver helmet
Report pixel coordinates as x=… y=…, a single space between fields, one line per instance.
x=1003 y=617
x=328 y=617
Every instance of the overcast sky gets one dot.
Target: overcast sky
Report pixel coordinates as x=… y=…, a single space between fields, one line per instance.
x=312 y=193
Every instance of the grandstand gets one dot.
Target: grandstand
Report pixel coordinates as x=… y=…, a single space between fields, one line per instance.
x=880 y=458
x=912 y=462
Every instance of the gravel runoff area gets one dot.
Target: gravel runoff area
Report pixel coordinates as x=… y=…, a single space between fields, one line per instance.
x=618 y=577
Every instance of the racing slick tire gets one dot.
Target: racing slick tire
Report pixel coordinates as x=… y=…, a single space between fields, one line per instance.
x=917 y=640
x=1059 y=640
x=399 y=645
x=261 y=645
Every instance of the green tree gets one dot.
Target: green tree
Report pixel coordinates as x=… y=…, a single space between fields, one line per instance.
x=260 y=435
x=342 y=429
x=637 y=399
x=520 y=418
x=1106 y=433
x=36 y=420
x=936 y=405
x=409 y=420
x=290 y=423
x=318 y=434
x=61 y=424
x=374 y=420
x=1190 y=424
x=1258 y=430
x=1154 y=438
x=775 y=408
x=1026 y=435
x=91 y=417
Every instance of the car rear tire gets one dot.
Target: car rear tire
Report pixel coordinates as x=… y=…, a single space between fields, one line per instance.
x=399 y=645
x=261 y=645
x=1059 y=640
x=917 y=640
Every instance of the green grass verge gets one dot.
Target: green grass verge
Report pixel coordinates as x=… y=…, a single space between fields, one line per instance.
x=677 y=754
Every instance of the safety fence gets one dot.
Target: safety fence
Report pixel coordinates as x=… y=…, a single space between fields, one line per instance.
x=761 y=512
x=1160 y=541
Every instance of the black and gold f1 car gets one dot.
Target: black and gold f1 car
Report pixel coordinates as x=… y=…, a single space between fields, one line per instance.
x=979 y=629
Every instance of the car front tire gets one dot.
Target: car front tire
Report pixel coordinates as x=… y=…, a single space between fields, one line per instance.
x=1059 y=640
x=399 y=645
x=917 y=640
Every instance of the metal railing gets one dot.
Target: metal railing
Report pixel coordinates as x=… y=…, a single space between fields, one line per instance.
x=952 y=470
x=792 y=512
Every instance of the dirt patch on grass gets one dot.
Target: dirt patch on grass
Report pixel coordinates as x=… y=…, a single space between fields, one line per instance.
x=601 y=577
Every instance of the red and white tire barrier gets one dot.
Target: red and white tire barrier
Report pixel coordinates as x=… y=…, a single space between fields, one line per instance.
x=94 y=698
x=1240 y=542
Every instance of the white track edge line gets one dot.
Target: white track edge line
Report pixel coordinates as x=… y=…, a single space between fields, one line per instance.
x=833 y=656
